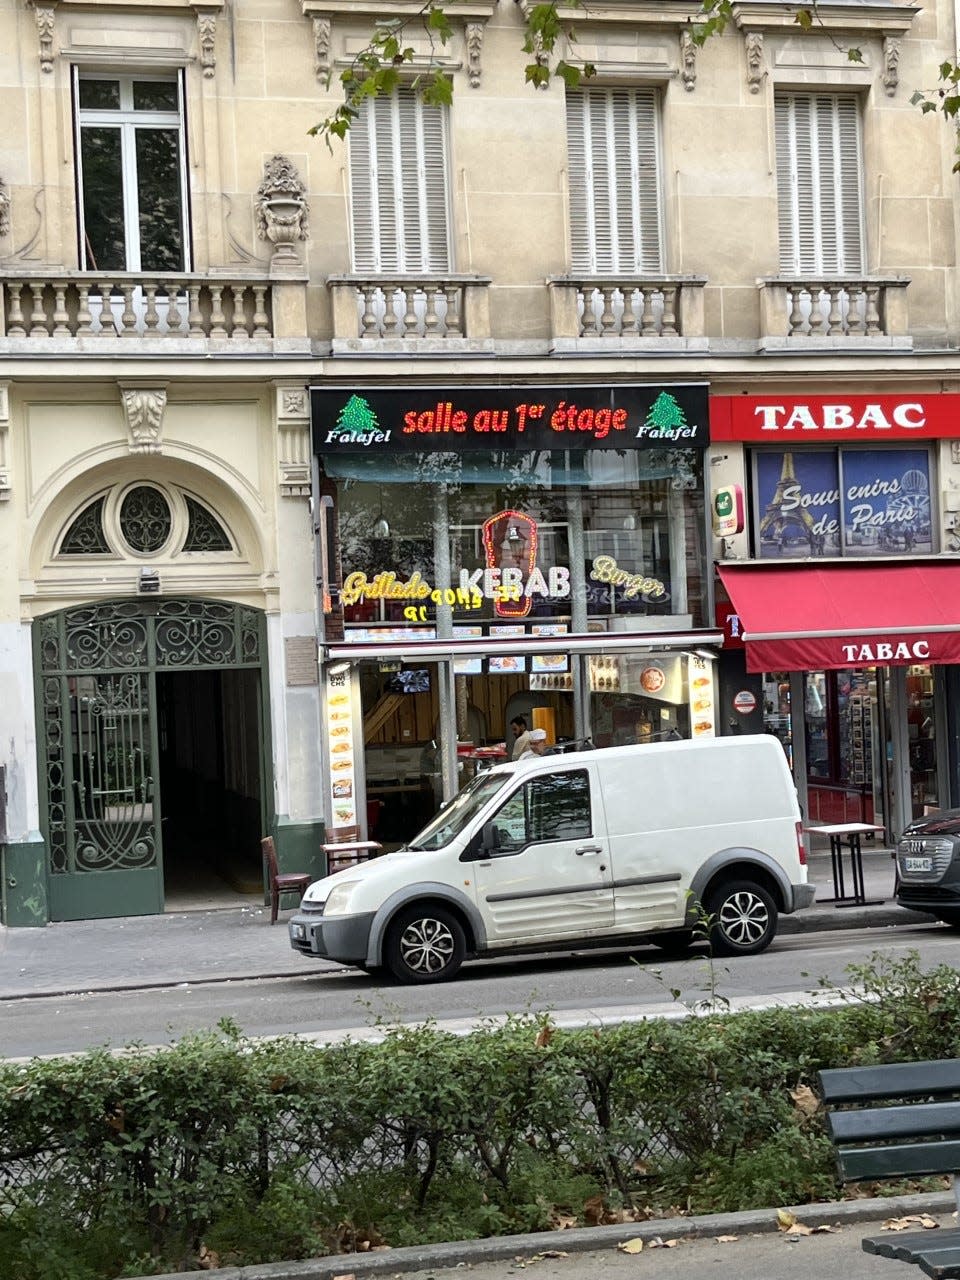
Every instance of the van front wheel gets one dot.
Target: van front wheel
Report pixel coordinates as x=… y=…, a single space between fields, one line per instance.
x=744 y=918
x=424 y=944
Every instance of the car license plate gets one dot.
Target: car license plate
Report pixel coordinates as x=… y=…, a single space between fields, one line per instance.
x=918 y=864
x=300 y=930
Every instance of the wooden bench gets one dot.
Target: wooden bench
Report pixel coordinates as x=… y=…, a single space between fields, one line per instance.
x=900 y=1121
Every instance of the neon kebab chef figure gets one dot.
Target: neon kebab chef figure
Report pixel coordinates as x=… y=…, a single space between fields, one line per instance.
x=510 y=544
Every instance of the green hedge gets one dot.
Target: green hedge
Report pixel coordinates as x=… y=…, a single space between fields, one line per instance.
x=262 y=1151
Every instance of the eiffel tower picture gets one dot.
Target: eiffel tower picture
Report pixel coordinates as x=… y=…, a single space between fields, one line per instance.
x=780 y=527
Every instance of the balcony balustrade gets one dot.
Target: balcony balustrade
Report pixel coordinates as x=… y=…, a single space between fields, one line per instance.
x=834 y=312
x=84 y=311
x=653 y=312
x=416 y=313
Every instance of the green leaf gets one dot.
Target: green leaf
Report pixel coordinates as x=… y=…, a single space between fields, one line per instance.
x=854 y=54
x=804 y=19
x=570 y=75
x=439 y=23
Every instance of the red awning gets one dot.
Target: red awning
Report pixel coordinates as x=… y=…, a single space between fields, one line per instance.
x=803 y=617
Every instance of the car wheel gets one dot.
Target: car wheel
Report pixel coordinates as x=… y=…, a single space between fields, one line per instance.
x=425 y=944
x=675 y=942
x=744 y=918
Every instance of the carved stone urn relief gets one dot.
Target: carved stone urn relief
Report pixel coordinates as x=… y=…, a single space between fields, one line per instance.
x=282 y=209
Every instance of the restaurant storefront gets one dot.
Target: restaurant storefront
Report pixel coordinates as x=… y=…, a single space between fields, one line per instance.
x=487 y=553
x=848 y=607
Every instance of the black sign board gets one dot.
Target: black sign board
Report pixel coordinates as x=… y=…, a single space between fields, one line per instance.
x=451 y=420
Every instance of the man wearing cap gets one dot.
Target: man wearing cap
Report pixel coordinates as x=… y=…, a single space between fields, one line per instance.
x=537 y=744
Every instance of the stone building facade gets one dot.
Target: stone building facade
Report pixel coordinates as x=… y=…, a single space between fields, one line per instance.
x=181 y=262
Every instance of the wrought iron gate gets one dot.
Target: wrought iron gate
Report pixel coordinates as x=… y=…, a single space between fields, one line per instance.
x=100 y=801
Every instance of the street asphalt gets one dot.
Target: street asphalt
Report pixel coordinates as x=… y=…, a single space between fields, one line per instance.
x=239 y=943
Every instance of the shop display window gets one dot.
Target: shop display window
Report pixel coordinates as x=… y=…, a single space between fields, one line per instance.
x=843 y=502
x=504 y=537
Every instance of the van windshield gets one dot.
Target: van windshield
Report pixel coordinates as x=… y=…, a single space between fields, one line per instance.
x=452 y=819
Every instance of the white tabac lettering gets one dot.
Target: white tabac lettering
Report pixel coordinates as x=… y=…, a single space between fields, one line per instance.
x=839 y=417
x=886 y=651
x=910 y=415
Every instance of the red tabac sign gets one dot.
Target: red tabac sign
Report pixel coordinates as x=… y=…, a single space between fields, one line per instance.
x=811 y=653
x=836 y=419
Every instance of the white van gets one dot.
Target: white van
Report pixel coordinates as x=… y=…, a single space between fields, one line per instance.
x=552 y=852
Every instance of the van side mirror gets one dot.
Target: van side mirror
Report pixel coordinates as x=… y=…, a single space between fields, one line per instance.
x=490 y=840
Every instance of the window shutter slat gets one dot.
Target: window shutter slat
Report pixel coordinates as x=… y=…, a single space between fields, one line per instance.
x=613 y=153
x=819 y=184
x=398 y=185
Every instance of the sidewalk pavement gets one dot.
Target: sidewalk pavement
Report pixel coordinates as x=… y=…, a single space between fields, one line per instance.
x=167 y=950
x=729 y=1246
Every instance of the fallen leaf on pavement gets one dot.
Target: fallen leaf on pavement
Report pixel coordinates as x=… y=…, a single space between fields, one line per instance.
x=725 y=1239
x=631 y=1246
x=913 y=1220
x=785 y=1220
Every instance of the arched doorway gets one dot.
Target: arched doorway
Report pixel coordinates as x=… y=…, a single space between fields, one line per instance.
x=153 y=730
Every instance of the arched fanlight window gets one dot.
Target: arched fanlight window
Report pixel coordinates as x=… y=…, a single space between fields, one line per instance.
x=85 y=536
x=204 y=530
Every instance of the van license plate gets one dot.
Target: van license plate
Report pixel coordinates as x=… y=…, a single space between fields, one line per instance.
x=918 y=864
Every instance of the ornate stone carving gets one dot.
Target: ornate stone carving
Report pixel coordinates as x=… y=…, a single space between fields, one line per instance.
x=44 y=16
x=293 y=430
x=688 y=61
x=891 y=65
x=321 y=42
x=282 y=212
x=207 y=34
x=474 y=37
x=755 y=68
x=4 y=208
x=144 y=408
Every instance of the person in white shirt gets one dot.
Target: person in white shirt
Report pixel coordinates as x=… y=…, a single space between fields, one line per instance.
x=537 y=744
x=521 y=738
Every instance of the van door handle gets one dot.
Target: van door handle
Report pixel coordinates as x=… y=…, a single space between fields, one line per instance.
x=587 y=848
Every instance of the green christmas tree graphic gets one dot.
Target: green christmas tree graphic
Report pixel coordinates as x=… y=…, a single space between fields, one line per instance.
x=356 y=416
x=665 y=412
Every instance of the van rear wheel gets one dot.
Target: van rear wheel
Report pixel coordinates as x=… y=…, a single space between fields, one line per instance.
x=424 y=944
x=744 y=918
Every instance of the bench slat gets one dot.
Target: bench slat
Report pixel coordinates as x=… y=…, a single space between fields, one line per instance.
x=908 y=1246
x=918 y=1120
x=899 y=1161
x=894 y=1080
x=942 y=1267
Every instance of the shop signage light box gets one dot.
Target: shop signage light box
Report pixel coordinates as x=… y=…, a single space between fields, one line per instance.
x=432 y=419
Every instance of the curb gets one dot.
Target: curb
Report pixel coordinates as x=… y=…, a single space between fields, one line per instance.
x=579 y=1240
x=817 y=920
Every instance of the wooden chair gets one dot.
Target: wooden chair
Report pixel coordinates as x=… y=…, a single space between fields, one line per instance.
x=288 y=882
x=344 y=848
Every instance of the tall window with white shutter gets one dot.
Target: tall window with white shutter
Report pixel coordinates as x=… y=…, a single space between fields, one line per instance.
x=819 y=183
x=613 y=145
x=398 y=185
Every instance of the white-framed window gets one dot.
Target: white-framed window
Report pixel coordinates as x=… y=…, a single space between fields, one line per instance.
x=819 y=183
x=131 y=172
x=613 y=145
x=398 y=185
